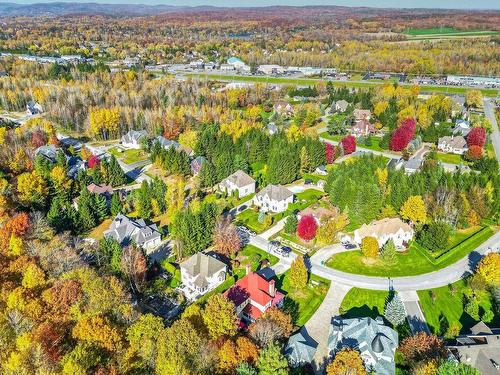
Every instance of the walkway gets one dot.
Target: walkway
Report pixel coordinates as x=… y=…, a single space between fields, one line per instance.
x=318 y=326
x=414 y=314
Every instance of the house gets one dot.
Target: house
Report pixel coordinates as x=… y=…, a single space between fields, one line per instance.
x=363 y=128
x=454 y=144
x=300 y=350
x=197 y=64
x=319 y=213
x=68 y=142
x=126 y=230
x=238 y=182
x=480 y=349
x=271 y=128
x=74 y=165
x=238 y=64
x=412 y=165
x=274 y=198
x=362 y=114
x=462 y=127
x=196 y=164
x=253 y=295
x=200 y=274
x=283 y=108
x=270 y=69
x=102 y=189
x=49 y=152
x=375 y=341
x=133 y=139
x=226 y=67
x=166 y=143
x=321 y=170
x=383 y=230
x=33 y=108
x=341 y=105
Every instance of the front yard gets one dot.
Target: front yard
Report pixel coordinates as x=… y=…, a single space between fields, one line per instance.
x=250 y=219
x=363 y=302
x=129 y=156
x=449 y=158
x=415 y=261
x=303 y=303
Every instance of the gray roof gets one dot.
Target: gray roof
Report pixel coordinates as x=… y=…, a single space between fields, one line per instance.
x=134 y=136
x=74 y=165
x=196 y=164
x=124 y=230
x=375 y=341
x=413 y=163
x=49 y=152
x=275 y=192
x=239 y=178
x=300 y=350
x=166 y=143
x=454 y=141
x=202 y=266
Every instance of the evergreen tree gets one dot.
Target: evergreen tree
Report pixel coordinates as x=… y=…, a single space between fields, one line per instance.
x=115 y=206
x=271 y=361
x=395 y=311
x=116 y=175
x=388 y=252
x=291 y=224
x=305 y=162
x=101 y=207
x=86 y=209
x=207 y=175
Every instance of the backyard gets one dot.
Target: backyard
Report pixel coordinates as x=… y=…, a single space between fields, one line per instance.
x=444 y=305
x=415 y=261
x=129 y=156
x=449 y=158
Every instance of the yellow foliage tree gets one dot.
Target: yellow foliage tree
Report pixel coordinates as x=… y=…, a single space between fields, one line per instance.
x=104 y=122
x=369 y=247
x=489 y=268
x=346 y=361
x=31 y=188
x=99 y=331
x=33 y=276
x=414 y=210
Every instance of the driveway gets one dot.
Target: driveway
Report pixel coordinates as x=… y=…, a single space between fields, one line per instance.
x=414 y=314
x=489 y=111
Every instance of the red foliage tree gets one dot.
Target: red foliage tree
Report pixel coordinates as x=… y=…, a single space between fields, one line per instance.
x=422 y=347
x=38 y=139
x=348 y=144
x=329 y=153
x=403 y=135
x=93 y=161
x=474 y=152
x=476 y=137
x=306 y=229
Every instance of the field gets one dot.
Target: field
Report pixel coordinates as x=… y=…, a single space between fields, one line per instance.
x=312 y=81
x=415 y=261
x=445 y=305
x=446 y=33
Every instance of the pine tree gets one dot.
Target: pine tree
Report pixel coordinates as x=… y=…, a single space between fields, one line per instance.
x=101 y=207
x=305 y=162
x=395 y=311
x=291 y=224
x=115 y=206
x=207 y=175
x=388 y=252
x=115 y=173
x=298 y=273
x=271 y=361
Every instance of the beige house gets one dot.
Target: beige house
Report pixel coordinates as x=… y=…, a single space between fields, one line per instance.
x=384 y=230
x=201 y=273
x=274 y=198
x=341 y=105
x=362 y=114
x=454 y=144
x=238 y=182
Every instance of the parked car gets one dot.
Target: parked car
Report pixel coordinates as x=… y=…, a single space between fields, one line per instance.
x=285 y=251
x=308 y=181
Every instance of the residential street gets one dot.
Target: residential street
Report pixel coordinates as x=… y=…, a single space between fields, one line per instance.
x=489 y=111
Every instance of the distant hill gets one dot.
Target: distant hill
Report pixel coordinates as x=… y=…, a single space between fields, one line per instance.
x=60 y=8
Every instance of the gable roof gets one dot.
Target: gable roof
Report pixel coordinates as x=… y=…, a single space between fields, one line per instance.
x=238 y=178
x=383 y=227
x=364 y=126
x=202 y=266
x=341 y=104
x=275 y=192
x=361 y=113
x=166 y=143
x=133 y=136
x=124 y=229
x=100 y=189
x=456 y=141
x=299 y=350
x=49 y=152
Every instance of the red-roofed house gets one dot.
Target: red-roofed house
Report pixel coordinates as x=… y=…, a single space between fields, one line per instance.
x=253 y=295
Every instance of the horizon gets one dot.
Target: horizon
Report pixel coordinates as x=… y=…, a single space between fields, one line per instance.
x=397 y=4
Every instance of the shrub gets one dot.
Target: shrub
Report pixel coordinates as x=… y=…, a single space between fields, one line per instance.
x=434 y=236
x=291 y=224
x=369 y=247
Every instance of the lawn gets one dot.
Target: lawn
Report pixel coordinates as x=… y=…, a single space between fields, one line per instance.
x=335 y=138
x=415 y=261
x=129 y=156
x=375 y=146
x=444 y=306
x=302 y=304
x=304 y=199
x=449 y=158
x=250 y=219
x=363 y=302
x=97 y=232
x=254 y=256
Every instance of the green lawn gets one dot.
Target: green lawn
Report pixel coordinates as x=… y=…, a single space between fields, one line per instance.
x=250 y=219
x=129 y=156
x=415 y=261
x=375 y=146
x=335 y=138
x=254 y=256
x=312 y=81
x=444 y=306
x=363 y=302
x=302 y=303
x=449 y=158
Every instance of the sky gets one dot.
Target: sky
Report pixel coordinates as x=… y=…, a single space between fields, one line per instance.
x=451 y=4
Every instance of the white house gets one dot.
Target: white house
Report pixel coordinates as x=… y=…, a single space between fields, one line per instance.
x=462 y=127
x=226 y=67
x=274 y=198
x=384 y=230
x=341 y=105
x=126 y=230
x=200 y=274
x=133 y=139
x=283 y=108
x=454 y=144
x=238 y=182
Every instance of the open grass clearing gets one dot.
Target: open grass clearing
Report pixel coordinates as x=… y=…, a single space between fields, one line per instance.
x=98 y=232
x=129 y=156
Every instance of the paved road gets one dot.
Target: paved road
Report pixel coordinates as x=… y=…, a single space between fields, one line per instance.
x=489 y=111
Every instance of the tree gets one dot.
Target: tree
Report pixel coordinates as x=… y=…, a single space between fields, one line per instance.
x=245 y=369
x=348 y=144
x=474 y=98
x=422 y=347
x=97 y=330
x=388 y=252
x=369 y=246
x=394 y=310
x=329 y=153
x=414 y=210
x=271 y=361
x=31 y=189
x=305 y=161
x=476 y=137
x=142 y=336
x=133 y=265
x=435 y=235
x=226 y=238
x=306 y=228
x=330 y=226
x=281 y=319
x=220 y=317
x=228 y=358
x=116 y=176
x=346 y=362
x=298 y=273
x=104 y=122
x=115 y=205
x=474 y=153
x=93 y=162
x=291 y=223
x=456 y=368
x=489 y=268
x=33 y=276
x=403 y=135
x=247 y=351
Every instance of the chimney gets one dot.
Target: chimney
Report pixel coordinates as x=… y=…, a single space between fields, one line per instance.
x=272 y=289
x=248 y=269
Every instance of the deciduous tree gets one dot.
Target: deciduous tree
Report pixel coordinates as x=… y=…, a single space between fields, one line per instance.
x=489 y=268
x=306 y=228
x=298 y=273
x=220 y=317
x=346 y=361
x=271 y=361
x=369 y=246
x=226 y=239
x=414 y=210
